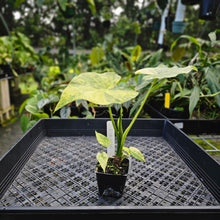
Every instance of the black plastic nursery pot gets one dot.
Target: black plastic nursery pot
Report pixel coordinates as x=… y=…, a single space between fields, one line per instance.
x=178 y=27
x=198 y=127
x=50 y=171
x=111 y=184
x=158 y=111
x=5 y=72
x=208 y=9
x=190 y=2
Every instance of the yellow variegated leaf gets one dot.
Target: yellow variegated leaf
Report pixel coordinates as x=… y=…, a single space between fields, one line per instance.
x=102 y=159
x=97 y=88
x=102 y=139
x=164 y=72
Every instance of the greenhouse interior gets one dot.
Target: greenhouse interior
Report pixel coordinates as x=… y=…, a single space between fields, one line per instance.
x=127 y=89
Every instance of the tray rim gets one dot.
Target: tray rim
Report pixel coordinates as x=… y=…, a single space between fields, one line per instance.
x=40 y=130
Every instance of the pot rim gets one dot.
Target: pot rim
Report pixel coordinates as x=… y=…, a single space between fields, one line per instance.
x=110 y=174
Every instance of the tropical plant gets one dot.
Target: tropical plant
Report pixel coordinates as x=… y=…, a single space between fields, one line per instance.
x=201 y=89
x=16 y=51
x=102 y=89
x=39 y=105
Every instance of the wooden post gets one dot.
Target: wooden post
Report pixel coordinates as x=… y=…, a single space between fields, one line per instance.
x=6 y=109
x=4 y=94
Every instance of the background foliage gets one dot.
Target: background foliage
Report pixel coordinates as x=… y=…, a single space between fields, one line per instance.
x=121 y=37
x=45 y=23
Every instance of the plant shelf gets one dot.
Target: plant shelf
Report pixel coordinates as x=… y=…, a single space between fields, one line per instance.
x=51 y=170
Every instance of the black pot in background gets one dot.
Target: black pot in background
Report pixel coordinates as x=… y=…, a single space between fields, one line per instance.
x=168 y=21
x=208 y=9
x=168 y=112
x=172 y=113
x=5 y=71
x=190 y=2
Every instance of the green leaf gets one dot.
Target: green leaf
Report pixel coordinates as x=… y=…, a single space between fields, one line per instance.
x=136 y=53
x=213 y=80
x=32 y=103
x=97 y=88
x=102 y=159
x=31 y=123
x=137 y=29
x=102 y=139
x=41 y=115
x=212 y=36
x=65 y=111
x=178 y=53
x=92 y=6
x=62 y=4
x=136 y=153
x=24 y=122
x=43 y=102
x=23 y=106
x=39 y=3
x=96 y=55
x=31 y=108
x=126 y=149
x=155 y=57
x=190 y=38
x=193 y=99
x=164 y=72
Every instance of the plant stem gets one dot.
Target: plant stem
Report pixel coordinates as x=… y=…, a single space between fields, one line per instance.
x=120 y=131
x=134 y=119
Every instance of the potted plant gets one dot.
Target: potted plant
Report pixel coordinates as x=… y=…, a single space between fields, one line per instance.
x=102 y=89
x=178 y=27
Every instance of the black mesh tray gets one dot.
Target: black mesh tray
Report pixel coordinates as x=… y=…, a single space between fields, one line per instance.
x=52 y=170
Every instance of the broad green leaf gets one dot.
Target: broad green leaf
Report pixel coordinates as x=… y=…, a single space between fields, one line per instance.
x=97 y=88
x=65 y=111
x=30 y=124
x=178 y=53
x=39 y=3
x=92 y=6
x=213 y=80
x=155 y=58
x=190 y=38
x=96 y=55
x=32 y=109
x=137 y=28
x=22 y=106
x=212 y=36
x=42 y=103
x=126 y=149
x=164 y=72
x=41 y=115
x=193 y=99
x=102 y=159
x=32 y=103
x=50 y=99
x=102 y=139
x=136 y=53
x=24 y=122
x=136 y=153
x=53 y=71
x=62 y=4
